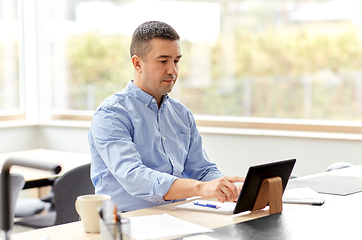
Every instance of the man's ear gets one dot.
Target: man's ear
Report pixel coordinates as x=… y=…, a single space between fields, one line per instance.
x=136 y=61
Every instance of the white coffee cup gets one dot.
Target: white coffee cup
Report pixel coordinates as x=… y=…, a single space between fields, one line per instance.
x=87 y=208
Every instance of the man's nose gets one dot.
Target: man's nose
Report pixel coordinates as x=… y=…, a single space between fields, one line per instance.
x=172 y=69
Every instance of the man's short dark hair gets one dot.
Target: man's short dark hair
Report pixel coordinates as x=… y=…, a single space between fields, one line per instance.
x=146 y=32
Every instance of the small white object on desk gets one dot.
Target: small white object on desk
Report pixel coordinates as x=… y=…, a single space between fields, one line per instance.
x=303 y=196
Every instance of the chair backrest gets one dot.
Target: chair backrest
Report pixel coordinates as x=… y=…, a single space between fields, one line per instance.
x=17 y=183
x=67 y=188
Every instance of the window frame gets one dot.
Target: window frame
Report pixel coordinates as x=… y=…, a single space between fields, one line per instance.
x=12 y=116
x=277 y=124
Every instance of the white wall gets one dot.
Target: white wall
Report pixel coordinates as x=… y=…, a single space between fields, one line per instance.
x=17 y=138
x=68 y=139
x=235 y=153
x=232 y=153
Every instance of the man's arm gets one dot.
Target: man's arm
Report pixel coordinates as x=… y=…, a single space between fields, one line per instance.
x=119 y=161
x=223 y=188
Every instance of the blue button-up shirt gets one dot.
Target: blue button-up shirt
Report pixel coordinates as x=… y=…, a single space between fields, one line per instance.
x=138 y=149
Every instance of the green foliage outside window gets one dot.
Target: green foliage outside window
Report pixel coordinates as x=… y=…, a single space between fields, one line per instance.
x=99 y=66
x=312 y=72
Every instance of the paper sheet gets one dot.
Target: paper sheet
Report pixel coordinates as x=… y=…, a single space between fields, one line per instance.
x=161 y=226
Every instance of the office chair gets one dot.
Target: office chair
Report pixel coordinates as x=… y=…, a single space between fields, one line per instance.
x=66 y=189
x=26 y=207
x=17 y=183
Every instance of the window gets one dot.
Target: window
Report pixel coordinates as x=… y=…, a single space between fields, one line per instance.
x=10 y=85
x=262 y=59
x=255 y=62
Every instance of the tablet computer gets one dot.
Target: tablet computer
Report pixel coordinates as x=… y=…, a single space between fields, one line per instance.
x=255 y=177
x=250 y=190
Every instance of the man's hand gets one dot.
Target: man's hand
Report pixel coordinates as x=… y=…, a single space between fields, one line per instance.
x=222 y=188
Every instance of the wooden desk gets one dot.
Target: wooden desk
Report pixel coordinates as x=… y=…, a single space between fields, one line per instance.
x=35 y=177
x=336 y=219
x=74 y=231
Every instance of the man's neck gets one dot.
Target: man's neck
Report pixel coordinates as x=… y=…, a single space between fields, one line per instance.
x=158 y=99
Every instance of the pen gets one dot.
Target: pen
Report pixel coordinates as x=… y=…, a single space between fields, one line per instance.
x=206 y=205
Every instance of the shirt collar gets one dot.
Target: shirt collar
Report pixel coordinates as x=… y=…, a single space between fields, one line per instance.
x=142 y=96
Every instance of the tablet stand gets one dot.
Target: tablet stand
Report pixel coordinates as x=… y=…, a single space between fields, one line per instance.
x=271 y=191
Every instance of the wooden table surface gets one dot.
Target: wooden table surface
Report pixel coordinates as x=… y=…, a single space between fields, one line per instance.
x=74 y=231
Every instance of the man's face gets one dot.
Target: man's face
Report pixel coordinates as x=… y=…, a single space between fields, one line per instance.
x=157 y=73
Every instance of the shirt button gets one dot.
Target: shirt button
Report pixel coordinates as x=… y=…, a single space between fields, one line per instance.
x=146 y=104
x=163 y=138
x=153 y=100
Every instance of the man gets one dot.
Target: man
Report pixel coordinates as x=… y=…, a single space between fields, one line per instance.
x=145 y=147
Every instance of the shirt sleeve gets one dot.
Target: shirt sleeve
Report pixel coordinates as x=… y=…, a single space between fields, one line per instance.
x=198 y=165
x=112 y=137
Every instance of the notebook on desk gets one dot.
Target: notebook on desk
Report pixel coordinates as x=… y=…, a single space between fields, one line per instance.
x=250 y=189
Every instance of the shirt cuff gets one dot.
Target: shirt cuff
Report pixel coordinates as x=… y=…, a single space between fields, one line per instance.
x=160 y=187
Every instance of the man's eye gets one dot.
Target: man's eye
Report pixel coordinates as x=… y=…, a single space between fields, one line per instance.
x=164 y=61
